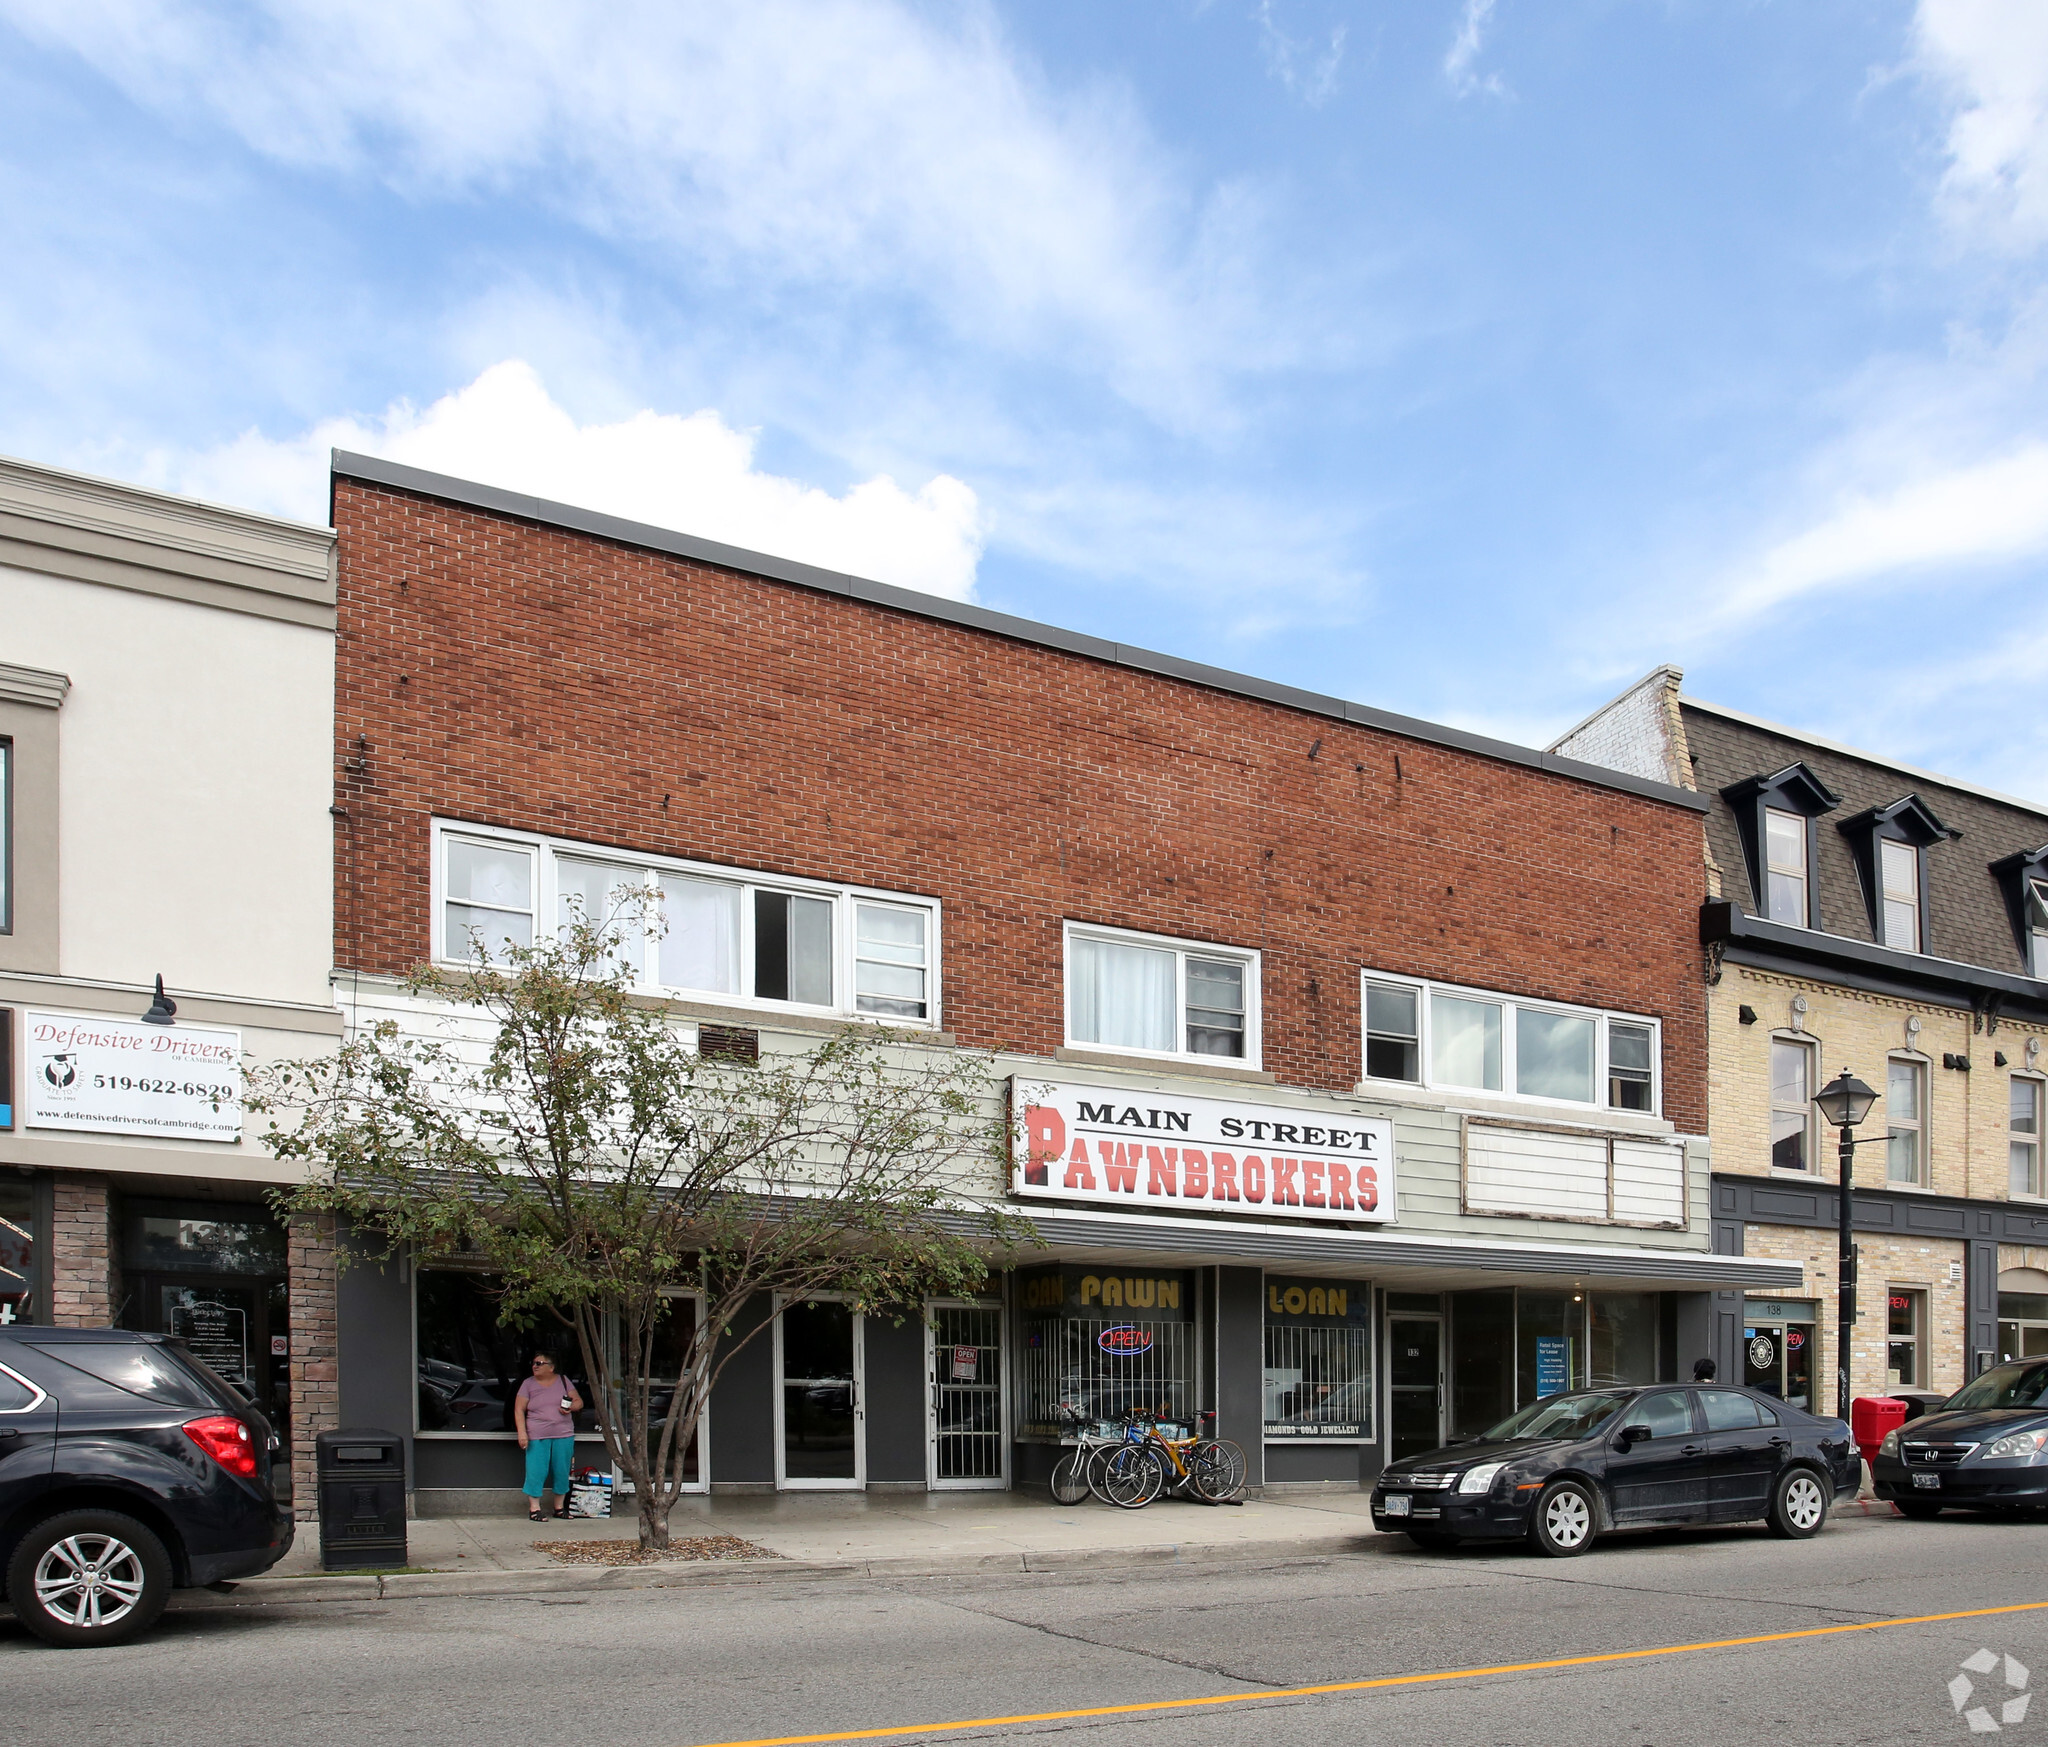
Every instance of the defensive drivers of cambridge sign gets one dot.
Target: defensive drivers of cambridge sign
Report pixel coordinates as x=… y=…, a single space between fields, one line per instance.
x=1160 y=1150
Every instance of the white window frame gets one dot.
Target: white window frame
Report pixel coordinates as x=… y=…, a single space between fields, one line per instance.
x=1919 y=1126
x=2036 y=912
x=1510 y=1005
x=547 y=851
x=1803 y=873
x=1789 y=1040
x=2037 y=1141
x=1183 y=950
x=1886 y=897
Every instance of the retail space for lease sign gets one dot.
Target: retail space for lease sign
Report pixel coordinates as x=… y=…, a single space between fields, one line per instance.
x=121 y=1076
x=1161 y=1150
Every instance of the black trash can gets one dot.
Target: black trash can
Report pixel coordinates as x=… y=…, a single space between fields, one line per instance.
x=362 y=1499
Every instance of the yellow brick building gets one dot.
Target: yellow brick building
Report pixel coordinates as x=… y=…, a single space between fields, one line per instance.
x=1861 y=915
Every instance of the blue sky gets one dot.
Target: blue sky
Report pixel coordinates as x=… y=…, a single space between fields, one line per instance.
x=1467 y=357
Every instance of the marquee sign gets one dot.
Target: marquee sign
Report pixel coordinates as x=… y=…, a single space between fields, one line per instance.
x=120 y=1076
x=1157 y=1149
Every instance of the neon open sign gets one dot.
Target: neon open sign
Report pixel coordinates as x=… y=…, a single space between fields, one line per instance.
x=1124 y=1339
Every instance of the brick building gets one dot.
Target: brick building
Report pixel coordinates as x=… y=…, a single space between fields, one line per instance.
x=166 y=697
x=1430 y=1004
x=1858 y=913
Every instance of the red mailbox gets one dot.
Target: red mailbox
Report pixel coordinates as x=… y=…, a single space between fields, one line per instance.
x=1870 y=1417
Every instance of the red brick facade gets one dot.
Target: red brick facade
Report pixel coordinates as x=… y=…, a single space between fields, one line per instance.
x=509 y=673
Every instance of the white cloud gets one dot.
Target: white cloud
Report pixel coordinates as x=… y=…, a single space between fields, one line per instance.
x=1986 y=513
x=1991 y=56
x=851 y=147
x=1464 y=50
x=1299 y=64
x=693 y=474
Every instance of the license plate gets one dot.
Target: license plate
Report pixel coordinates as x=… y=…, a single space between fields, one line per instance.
x=1397 y=1504
x=1927 y=1480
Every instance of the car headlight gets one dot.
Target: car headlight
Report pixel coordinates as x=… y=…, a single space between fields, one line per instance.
x=2018 y=1446
x=1890 y=1446
x=1480 y=1478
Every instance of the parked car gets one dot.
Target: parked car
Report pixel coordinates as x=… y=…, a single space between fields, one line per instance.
x=1571 y=1466
x=127 y=1469
x=1985 y=1447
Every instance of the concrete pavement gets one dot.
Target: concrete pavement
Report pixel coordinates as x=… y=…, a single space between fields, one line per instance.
x=694 y=1665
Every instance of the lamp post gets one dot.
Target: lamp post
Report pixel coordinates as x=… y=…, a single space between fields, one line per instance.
x=1845 y=1101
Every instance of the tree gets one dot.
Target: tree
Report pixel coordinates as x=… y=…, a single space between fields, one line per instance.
x=561 y=1134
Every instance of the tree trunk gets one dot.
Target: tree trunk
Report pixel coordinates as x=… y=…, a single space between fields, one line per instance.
x=653 y=1520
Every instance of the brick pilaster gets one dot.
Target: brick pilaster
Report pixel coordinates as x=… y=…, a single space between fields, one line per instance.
x=83 y=1275
x=316 y=1391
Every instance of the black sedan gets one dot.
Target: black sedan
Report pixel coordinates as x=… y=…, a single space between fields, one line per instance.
x=1569 y=1467
x=1985 y=1447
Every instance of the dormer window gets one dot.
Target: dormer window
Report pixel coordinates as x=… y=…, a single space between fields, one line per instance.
x=1785 y=868
x=1890 y=845
x=1775 y=815
x=1899 y=868
x=2037 y=928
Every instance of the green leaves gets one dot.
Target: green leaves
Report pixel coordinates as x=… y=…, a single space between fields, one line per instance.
x=536 y=1119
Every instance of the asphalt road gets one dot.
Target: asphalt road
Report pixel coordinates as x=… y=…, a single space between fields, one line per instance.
x=682 y=1668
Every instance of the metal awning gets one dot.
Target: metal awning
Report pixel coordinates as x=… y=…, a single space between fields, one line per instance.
x=1434 y=1263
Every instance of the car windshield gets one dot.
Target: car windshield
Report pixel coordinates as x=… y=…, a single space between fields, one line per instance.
x=1559 y=1416
x=2008 y=1386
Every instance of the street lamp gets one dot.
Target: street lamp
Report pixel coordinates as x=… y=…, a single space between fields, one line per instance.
x=1845 y=1101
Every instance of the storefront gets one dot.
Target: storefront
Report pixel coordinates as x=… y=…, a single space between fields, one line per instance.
x=1778 y=1345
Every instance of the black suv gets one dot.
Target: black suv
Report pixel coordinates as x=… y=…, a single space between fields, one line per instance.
x=127 y=1469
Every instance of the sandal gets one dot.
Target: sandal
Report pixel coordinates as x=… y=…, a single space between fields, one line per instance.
x=533 y=1513
x=561 y=1513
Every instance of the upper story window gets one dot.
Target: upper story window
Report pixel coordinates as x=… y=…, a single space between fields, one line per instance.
x=2037 y=928
x=726 y=934
x=1899 y=866
x=6 y=837
x=2025 y=1143
x=1791 y=1105
x=1890 y=847
x=1155 y=996
x=1774 y=815
x=1785 y=869
x=1437 y=1035
x=1905 y=1115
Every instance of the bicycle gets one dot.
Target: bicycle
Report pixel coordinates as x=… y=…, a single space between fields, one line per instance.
x=1212 y=1469
x=1070 y=1480
x=1124 y=1471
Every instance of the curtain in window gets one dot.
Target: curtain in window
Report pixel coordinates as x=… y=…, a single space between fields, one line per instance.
x=701 y=949
x=601 y=896
x=1123 y=996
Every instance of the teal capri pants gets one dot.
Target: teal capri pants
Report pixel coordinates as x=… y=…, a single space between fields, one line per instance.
x=547 y=1466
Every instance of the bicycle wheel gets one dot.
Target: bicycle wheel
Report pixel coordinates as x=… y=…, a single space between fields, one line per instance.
x=1095 y=1467
x=1216 y=1470
x=1070 y=1478
x=1131 y=1477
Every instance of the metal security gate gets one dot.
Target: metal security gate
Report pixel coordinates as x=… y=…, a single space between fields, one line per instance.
x=964 y=1419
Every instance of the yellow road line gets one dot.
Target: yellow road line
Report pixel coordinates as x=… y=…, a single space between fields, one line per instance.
x=1239 y=1698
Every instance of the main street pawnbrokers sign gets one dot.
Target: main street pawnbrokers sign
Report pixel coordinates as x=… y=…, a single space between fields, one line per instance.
x=1157 y=1149
x=119 y=1076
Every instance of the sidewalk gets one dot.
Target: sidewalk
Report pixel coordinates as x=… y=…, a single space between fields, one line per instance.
x=838 y=1534
x=841 y=1535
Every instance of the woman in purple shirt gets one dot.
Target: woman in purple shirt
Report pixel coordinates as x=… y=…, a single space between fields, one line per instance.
x=542 y=1413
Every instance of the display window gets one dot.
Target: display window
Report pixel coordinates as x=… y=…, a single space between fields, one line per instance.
x=2022 y=1326
x=1318 y=1371
x=1100 y=1343
x=1905 y=1323
x=470 y=1360
x=17 y=1251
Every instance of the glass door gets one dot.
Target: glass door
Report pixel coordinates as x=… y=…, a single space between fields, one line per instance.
x=819 y=1411
x=964 y=1424
x=1777 y=1359
x=1415 y=1386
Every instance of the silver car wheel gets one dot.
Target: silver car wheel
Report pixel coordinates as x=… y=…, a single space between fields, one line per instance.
x=90 y=1580
x=1566 y=1519
x=1804 y=1505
